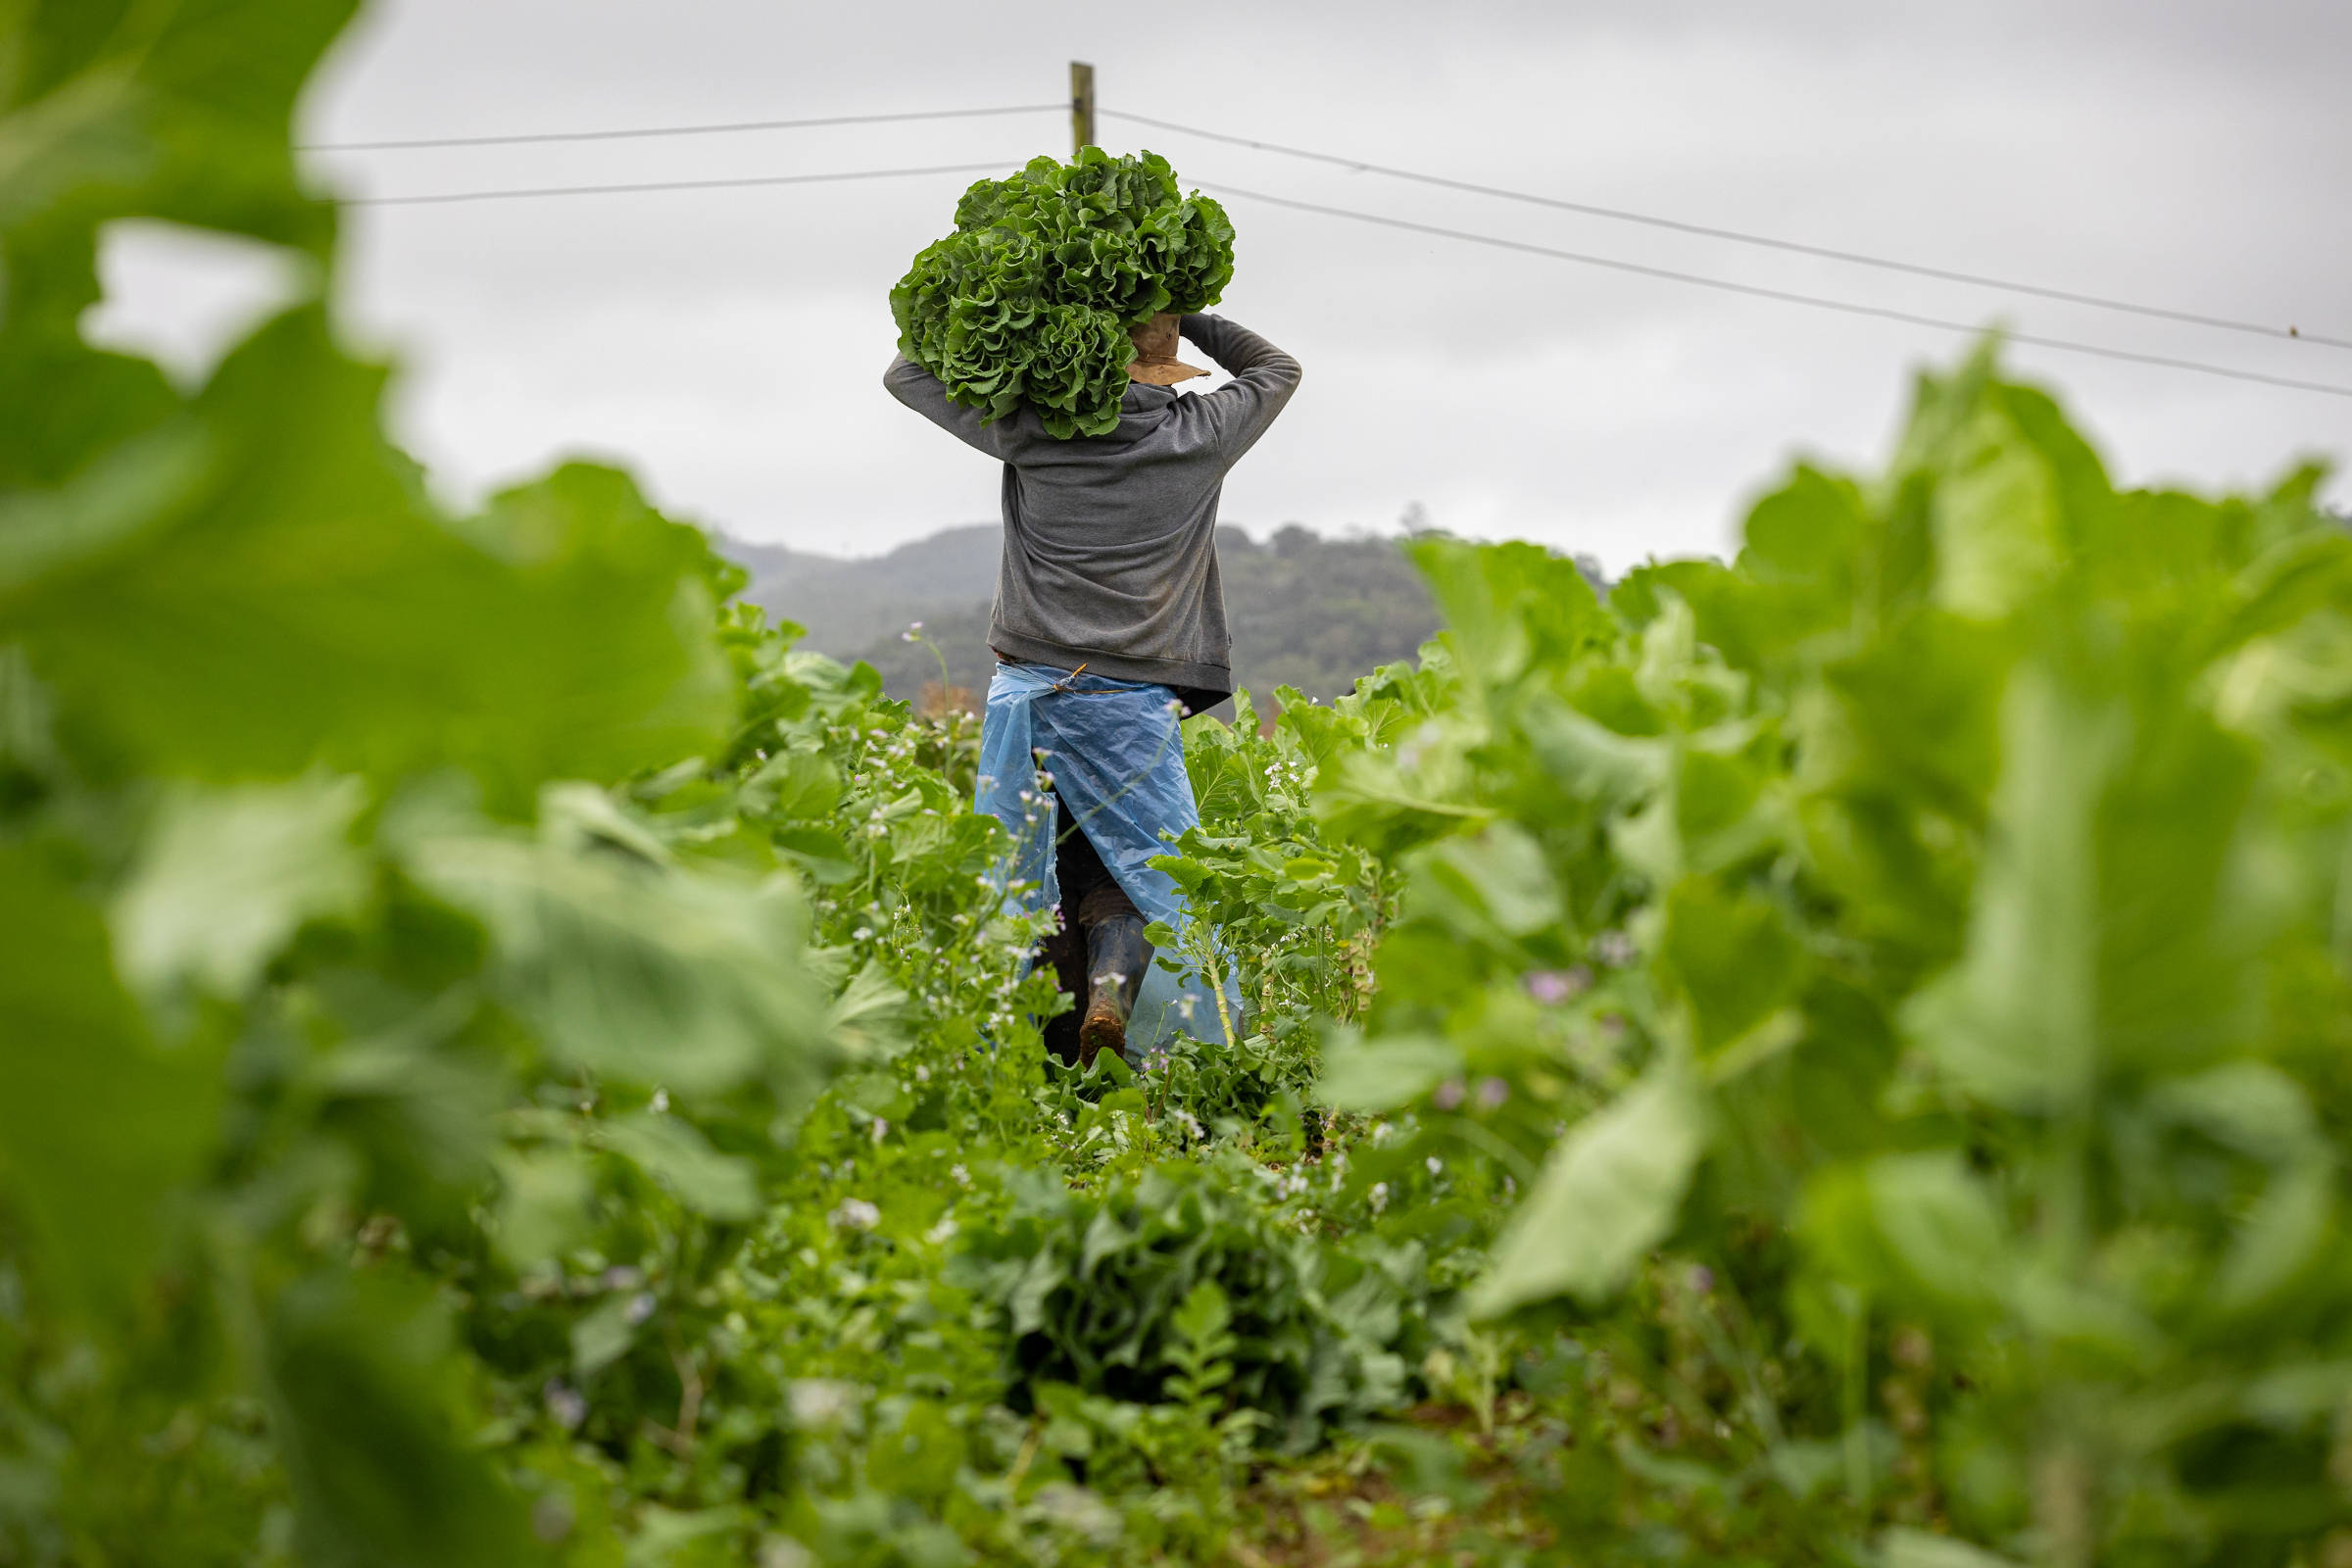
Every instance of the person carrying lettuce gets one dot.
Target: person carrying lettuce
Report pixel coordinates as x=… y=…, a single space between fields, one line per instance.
x=1108 y=624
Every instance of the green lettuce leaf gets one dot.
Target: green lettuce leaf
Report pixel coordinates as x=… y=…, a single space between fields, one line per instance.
x=1030 y=298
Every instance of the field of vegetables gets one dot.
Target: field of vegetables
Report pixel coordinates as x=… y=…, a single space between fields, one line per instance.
x=1843 y=1057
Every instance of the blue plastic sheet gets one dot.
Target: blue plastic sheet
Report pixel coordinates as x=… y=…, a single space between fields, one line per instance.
x=1115 y=755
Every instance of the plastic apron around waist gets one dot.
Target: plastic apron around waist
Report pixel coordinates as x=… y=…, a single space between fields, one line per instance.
x=1116 y=755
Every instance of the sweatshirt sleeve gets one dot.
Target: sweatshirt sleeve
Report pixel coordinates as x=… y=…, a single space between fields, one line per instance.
x=1263 y=379
x=921 y=391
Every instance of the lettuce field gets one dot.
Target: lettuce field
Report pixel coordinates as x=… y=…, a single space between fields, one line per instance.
x=1842 y=1057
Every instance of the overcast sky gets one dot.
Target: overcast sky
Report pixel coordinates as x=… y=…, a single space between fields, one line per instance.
x=727 y=346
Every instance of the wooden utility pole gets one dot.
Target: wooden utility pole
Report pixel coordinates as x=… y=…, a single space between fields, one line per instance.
x=1082 y=106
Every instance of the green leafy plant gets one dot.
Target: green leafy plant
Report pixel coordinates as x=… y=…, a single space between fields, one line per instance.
x=1101 y=1289
x=1838 y=1058
x=1030 y=298
x=1203 y=1355
x=1928 y=932
x=344 y=990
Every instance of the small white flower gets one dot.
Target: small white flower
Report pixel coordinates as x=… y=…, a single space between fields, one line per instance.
x=1435 y=1165
x=960 y=1176
x=782 y=1551
x=817 y=1401
x=660 y=1100
x=854 y=1214
x=940 y=1233
x=922 y=1074
x=564 y=1405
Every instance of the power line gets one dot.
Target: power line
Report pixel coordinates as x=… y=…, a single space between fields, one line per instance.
x=445 y=197
x=1786 y=296
x=669 y=130
x=1356 y=165
x=1758 y=291
x=1741 y=238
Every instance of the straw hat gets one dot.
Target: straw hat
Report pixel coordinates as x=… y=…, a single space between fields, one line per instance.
x=1156 y=362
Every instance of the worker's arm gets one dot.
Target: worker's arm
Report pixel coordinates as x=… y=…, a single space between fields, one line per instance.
x=921 y=391
x=1263 y=379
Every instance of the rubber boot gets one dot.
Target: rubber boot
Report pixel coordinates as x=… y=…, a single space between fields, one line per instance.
x=1063 y=957
x=1116 y=959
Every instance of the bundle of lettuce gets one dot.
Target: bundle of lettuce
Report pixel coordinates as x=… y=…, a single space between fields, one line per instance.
x=1031 y=298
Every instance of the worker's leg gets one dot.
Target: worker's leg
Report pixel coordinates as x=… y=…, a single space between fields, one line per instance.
x=1117 y=958
x=1117 y=758
x=1117 y=953
x=1090 y=894
x=1065 y=950
x=1100 y=955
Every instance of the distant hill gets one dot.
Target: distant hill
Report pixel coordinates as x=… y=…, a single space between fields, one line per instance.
x=848 y=605
x=1305 y=611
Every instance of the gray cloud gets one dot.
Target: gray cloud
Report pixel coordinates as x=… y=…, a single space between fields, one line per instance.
x=728 y=344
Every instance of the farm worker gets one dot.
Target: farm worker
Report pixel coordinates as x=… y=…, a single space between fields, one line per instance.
x=1109 y=622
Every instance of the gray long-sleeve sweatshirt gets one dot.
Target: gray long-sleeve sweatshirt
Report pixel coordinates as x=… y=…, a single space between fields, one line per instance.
x=1110 y=541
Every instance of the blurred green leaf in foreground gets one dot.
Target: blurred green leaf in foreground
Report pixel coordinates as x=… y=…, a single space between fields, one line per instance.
x=304 y=919
x=1945 y=1013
